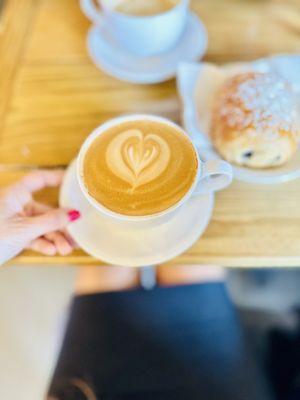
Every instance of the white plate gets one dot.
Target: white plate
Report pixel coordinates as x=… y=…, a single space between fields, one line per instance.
x=120 y=244
x=109 y=56
x=197 y=83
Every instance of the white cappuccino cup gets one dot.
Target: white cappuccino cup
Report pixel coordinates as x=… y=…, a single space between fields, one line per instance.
x=144 y=35
x=212 y=175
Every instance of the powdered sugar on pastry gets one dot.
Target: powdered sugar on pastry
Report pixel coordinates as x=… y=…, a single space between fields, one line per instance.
x=254 y=120
x=263 y=101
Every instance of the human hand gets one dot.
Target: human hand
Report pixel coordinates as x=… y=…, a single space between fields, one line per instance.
x=25 y=223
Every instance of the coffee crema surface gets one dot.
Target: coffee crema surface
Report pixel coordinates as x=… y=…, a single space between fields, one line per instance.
x=145 y=7
x=140 y=168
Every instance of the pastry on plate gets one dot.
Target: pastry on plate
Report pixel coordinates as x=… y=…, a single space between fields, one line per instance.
x=254 y=120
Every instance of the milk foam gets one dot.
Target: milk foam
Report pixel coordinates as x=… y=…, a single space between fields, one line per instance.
x=137 y=159
x=140 y=167
x=144 y=7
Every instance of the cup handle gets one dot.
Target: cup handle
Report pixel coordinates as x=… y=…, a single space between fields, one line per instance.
x=91 y=11
x=215 y=175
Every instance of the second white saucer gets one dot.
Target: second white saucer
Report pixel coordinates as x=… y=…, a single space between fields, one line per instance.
x=111 y=57
x=121 y=244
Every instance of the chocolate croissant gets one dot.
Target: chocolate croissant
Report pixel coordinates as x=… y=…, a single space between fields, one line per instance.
x=254 y=120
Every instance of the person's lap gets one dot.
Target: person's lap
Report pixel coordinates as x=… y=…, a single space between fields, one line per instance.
x=166 y=343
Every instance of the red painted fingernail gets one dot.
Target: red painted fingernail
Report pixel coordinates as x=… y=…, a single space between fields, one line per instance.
x=74 y=215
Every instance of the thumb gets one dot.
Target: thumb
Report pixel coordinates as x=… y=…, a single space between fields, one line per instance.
x=50 y=221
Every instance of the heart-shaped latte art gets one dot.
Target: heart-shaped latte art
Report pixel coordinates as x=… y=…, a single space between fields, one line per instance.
x=137 y=159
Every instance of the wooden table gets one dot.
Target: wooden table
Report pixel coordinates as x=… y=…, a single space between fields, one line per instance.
x=52 y=96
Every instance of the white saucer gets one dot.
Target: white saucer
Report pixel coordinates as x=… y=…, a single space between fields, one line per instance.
x=109 y=56
x=120 y=244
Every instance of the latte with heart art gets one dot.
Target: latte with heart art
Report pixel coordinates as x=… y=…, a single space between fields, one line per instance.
x=140 y=167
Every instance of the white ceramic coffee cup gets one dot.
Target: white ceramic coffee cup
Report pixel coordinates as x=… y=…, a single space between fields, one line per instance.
x=211 y=176
x=142 y=35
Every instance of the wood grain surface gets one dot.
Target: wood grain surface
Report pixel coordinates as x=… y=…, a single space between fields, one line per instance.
x=52 y=96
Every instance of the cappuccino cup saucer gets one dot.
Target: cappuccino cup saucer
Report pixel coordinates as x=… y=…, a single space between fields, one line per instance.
x=126 y=244
x=108 y=55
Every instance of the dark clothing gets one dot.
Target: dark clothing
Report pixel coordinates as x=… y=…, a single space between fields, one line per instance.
x=180 y=343
x=283 y=360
